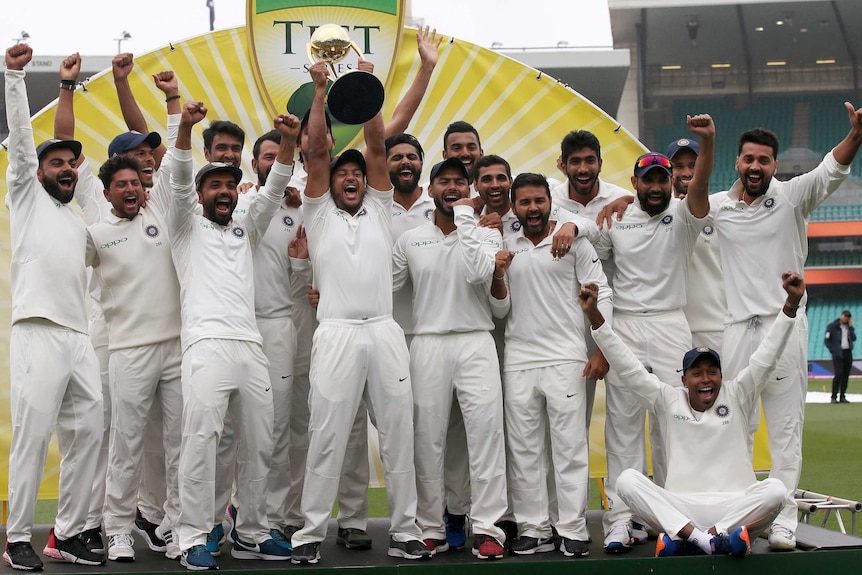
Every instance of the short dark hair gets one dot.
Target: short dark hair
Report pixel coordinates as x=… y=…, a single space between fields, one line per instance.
x=759 y=136
x=460 y=126
x=490 y=160
x=271 y=136
x=114 y=165
x=222 y=127
x=577 y=140
x=529 y=179
x=405 y=138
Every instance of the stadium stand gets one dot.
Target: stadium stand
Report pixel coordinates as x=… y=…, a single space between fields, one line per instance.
x=820 y=313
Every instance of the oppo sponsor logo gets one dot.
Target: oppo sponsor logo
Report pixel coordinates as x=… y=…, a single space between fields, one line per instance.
x=112 y=243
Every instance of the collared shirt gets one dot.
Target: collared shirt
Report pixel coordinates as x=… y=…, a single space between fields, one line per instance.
x=402 y=220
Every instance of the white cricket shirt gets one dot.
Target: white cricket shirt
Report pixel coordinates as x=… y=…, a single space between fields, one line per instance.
x=706 y=304
x=402 y=220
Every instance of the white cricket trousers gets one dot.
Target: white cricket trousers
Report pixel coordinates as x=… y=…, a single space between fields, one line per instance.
x=755 y=507
x=279 y=346
x=142 y=377
x=222 y=376
x=659 y=340
x=54 y=382
x=152 y=493
x=350 y=359
x=466 y=364
x=540 y=402
x=99 y=338
x=783 y=399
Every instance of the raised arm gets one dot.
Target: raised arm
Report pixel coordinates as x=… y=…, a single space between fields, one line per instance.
x=64 y=117
x=846 y=150
x=22 y=149
x=317 y=155
x=698 y=189
x=428 y=45
x=375 y=149
x=166 y=81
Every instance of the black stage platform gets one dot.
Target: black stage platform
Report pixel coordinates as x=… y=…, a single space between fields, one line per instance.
x=826 y=551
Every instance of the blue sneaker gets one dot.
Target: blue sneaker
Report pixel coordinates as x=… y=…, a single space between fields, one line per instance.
x=214 y=540
x=268 y=550
x=665 y=546
x=456 y=530
x=280 y=538
x=737 y=543
x=198 y=559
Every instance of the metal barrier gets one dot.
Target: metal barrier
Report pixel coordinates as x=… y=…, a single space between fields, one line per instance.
x=809 y=502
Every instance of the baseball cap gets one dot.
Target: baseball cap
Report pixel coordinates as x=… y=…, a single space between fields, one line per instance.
x=351 y=156
x=449 y=163
x=693 y=355
x=682 y=144
x=131 y=140
x=49 y=145
x=217 y=167
x=651 y=160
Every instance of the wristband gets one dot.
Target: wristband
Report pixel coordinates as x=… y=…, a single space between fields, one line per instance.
x=171 y=98
x=790 y=305
x=499 y=278
x=67 y=85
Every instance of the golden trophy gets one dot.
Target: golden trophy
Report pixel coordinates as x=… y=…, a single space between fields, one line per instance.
x=355 y=97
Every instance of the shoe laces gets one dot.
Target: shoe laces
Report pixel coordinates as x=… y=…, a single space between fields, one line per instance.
x=122 y=540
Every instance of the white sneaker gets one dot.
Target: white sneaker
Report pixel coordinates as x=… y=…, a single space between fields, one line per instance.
x=618 y=539
x=781 y=539
x=639 y=533
x=172 y=548
x=120 y=547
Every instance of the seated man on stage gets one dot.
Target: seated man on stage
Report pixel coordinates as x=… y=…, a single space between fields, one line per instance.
x=712 y=502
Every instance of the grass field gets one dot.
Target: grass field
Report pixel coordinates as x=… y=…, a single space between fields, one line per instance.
x=832 y=457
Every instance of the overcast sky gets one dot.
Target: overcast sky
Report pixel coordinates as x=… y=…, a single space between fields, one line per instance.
x=92 y=27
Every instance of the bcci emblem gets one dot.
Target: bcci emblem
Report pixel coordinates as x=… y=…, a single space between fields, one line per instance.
x=363 y=212
x=667 y=220
x=708 y=230
x=238 y=232
x=151 y=231
x=722 y=411
x=428 y=213
x=516 y=225
x=769 y=203
x=288 y=221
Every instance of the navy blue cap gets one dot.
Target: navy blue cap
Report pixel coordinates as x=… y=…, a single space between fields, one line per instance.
x=351 y=156
x=217 y=167
x=454 y=163
x=48 y=145
x=131 y=140
x=693 y=355
x=682 y=144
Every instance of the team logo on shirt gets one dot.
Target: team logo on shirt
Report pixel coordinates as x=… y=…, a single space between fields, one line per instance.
x=428 y=213
x=667 y=220
x=364 y=212
x=769 y=203
x=238 y=232
x=722 y=410
x=288 y=221
x=151 y=231
x=516 y=225
x=708 y=230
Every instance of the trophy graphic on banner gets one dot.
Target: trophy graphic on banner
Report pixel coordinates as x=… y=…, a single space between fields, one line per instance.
x=355 y=97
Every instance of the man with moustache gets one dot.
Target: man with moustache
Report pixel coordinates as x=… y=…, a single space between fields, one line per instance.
x=461 y=140
x=224 y=368
x=358 y=350
x=451 y=262
x=762 y=226
x=651 y=245
x=54 y=373
x=544 y=377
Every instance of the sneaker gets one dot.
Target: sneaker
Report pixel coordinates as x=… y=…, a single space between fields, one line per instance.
x=172 y=547
x=639 y=533
x=574 y=548
x=524 y=545
x=92 y=540
x=214 y=540
x=71 y=550
x=308 y=553
x=456 y=530
x=618 y=539
x=20 y=555
x=510 y=530
x=289 y=530
x=436 y=546
x=147 y=530
x=230 y=517
x=737 y=543
x=198 y=558
x=120 y=547
x=413 y=549
x=353 y=538
x=280 y=539
x=486 y=547
x=843 y=400
x=267 y=550
x=781 y=539
x=665 y=546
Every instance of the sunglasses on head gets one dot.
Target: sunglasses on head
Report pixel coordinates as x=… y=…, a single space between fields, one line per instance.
x=653 y=160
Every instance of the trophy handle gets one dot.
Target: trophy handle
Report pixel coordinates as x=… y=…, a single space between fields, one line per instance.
x=356 y=49
x=310 y=57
